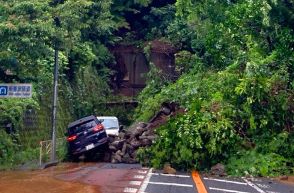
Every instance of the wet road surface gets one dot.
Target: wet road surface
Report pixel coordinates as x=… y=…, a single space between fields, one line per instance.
x=75 y=178
x=110 y=178
x=156 y=182
x=127 y=178
x=43 y=181
x=245 y=185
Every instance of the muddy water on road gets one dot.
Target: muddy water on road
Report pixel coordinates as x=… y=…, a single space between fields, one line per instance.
x=44 y=181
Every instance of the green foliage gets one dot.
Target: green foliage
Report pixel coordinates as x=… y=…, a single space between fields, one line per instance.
x=156 y=80
x=158 y=20
x=10 y=154
x=224 y=110
x=185 y=61
x=30 y=30
x=89 y=91
x=205 y=134
x=236 y=87
x=12 y=110
x=192 y=141
x=257 y=164
x=235 y=60
x=8 y=148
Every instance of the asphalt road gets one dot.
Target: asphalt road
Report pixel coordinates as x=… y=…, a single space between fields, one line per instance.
x=244 y=185
x=128 y=178
x=156 y=182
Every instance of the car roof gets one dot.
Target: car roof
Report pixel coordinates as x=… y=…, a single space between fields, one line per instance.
x=106 y=117
x=82 y=120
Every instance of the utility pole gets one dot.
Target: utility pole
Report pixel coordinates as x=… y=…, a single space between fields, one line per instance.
x=54 y=107
x=55 y=90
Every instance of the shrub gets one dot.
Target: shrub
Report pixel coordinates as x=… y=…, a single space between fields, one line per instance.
x=258 y=164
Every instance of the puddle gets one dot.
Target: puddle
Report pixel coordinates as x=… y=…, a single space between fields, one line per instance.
x=289 y=180
x=45 y=180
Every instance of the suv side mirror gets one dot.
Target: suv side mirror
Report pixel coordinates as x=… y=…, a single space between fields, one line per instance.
x=121 y=127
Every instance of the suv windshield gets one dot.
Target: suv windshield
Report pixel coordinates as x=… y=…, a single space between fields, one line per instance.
x=110 y=124
x=81 y=127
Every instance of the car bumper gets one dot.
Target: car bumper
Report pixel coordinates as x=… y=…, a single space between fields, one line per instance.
x=96 y=145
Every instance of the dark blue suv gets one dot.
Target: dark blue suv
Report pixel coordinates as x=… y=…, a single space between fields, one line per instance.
x=85 y=135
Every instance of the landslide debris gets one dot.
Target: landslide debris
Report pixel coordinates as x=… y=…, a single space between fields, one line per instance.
x=123 y=148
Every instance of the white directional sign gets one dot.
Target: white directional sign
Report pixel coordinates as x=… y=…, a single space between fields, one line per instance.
x=16 y=90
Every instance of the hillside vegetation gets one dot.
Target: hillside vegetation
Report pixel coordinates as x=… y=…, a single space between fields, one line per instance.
x=236 y=84
x=235 y=67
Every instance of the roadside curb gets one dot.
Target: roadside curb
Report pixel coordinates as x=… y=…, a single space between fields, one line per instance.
x=49 y=164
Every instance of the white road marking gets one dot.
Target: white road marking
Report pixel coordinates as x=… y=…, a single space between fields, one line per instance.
x=136 y=183
x=226 y=190
x=139 y=177
x=272 y=192
x=263 y=185
x=255 y=179
x=171 y=184
x=253 y=186
x=172 y=175
x=130 y=190
x=145 y=182
x=142 y=172
x=226 y=181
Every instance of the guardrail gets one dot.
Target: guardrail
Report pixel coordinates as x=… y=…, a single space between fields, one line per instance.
x=45 y=149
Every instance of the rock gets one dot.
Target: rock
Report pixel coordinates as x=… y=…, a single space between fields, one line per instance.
x=142 y=124
x=124 y=148
x=166 y=110
x=114 y=161
x=138 y=131
x=151 y=137
x=142 y=137
x=118 y=144
x=112 y=148
x=121 y=135
x=167 y=169
x=146 y=142
x=117 y=156
x=218 y=169
x=149 y=125
x=134 y=154
x=284 y=178
x=133 y=127
x=130 y=149
x=148 y=132
x=119 y=152
x=128 y=134
x=135 y=143
x=126 y=158
x=111 y=136
x=111 y=139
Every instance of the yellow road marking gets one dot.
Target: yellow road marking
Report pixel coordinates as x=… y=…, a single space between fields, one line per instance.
x=198 y=182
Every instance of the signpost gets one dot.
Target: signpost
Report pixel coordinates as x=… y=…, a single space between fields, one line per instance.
x=16 y=90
